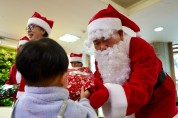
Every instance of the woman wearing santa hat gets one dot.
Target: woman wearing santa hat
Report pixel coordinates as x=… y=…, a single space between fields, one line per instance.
x=136 y=84
x=14 y=76
x=78 y=76
x=38 y=27
x=76 y=59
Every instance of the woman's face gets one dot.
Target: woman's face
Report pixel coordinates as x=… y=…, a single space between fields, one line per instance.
x=35 y=32
x=76 y=64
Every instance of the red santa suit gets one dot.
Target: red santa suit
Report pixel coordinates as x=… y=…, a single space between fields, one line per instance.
x=14 y=78
x=21 y=88
x=137 y=97
x=144 y=91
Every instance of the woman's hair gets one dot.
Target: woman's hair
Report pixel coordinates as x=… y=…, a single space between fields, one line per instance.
x=45 y=34
x=41 y=61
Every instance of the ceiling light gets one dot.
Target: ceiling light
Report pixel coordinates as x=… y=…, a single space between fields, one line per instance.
x=158 y=29
x=69 y=38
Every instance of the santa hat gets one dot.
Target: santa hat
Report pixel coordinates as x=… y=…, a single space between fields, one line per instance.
x=75 y=57
x=41 y=21
x=106 y=22
x=23 y=41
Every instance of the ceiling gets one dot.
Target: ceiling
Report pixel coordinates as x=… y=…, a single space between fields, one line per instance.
x=72 y=16
x=126 y=3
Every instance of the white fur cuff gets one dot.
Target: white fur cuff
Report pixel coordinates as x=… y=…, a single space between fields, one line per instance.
x=117 y=99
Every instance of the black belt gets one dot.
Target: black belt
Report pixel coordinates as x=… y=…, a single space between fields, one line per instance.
x=161 y=78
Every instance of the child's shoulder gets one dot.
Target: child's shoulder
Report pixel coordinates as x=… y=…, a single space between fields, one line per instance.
x=74 y=106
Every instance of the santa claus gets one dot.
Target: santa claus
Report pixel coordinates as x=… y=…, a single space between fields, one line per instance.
x=136 y=84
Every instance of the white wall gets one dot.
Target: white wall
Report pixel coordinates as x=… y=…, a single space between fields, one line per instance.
x=5 y=112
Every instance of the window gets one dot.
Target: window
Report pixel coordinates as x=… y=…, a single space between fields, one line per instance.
x=176 y=66
x=92 y=67
x=175 y=57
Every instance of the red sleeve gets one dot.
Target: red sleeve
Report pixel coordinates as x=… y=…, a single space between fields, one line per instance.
x=21 y=88
x=145 y=68
x=12 y=75
x=22 y=85
x=97 y=75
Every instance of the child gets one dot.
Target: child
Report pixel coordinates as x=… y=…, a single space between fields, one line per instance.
x=43 y=64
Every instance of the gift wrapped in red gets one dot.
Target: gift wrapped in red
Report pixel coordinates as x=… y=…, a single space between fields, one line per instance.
x=78 y=77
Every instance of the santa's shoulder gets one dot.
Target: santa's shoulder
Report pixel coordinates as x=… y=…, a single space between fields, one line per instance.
x=137 y=41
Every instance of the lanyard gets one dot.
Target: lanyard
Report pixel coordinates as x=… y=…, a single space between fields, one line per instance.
x=62 y=109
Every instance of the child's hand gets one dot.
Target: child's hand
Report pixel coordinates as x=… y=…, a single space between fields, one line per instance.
x=84 y=94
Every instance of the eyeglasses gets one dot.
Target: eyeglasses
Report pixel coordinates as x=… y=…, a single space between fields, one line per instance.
x=31 y=27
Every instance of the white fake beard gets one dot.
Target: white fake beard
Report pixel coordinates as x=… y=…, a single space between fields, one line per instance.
x=114 y=64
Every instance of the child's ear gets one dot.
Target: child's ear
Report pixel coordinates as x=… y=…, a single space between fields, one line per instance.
x=64 y=80
x=61 y=80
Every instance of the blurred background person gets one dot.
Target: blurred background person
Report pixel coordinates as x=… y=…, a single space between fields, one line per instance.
x=11 y=85
x=76 y=60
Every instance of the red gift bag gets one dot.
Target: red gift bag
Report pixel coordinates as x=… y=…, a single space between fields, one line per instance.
x=78 y=77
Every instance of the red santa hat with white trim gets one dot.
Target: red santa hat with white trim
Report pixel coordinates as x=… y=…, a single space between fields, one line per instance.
x=75 y=57
x=106 y=22
x=23 y=41
x=41 y=21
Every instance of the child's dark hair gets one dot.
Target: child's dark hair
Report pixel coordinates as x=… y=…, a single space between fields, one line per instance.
x=41 y=60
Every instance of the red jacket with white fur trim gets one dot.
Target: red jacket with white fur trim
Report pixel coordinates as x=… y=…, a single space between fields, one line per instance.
x=14 y=78
x=137 y=98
